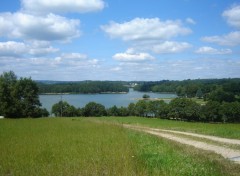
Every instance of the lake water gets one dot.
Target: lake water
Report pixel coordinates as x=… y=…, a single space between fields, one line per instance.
x=108 y=100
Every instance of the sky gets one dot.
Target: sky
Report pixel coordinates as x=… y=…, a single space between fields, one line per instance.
x=130 y=40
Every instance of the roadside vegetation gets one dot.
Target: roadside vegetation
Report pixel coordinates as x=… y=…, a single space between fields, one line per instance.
x=226 y=130
x=80 y=146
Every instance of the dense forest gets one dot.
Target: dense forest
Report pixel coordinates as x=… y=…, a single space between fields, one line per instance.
x=225 y=89
x=83 y=87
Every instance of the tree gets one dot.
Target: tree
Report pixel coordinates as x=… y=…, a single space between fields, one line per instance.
x=141 y=108
x=146 y=96
x=153 y=107
x=123 y=111
x=8 y=103
x=184 y=109
x=63 y=109
x=163 y=109
x=113 y=111
x=211 y=111
x=230 y=111
x=26 y=92
x=199 y=94
x=19 y=98
x=93 y=109
x=221 y=96
x=131 y=109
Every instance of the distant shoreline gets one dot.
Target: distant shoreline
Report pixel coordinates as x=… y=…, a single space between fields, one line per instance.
x=154 y=99
x=82 y=93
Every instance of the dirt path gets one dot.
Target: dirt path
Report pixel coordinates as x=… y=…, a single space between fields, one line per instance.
x=226 y=152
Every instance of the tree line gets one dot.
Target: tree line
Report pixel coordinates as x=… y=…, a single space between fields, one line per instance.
x=200 y=88
x=19 y=98
x=178 y=109
x=83 y=87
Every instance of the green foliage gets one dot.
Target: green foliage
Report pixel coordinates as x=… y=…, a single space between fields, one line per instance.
x=199 y=93
x=220 y=95
x=83 y=87
x=63 y=109
x=113 y=111
x=146 y=96
x=141 y=108
x=184 y=109
x=19 y=98
x=191 y=88
x=230 y=111
x=93 y=109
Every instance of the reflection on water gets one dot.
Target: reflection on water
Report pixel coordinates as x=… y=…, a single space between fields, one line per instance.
x=108 y=100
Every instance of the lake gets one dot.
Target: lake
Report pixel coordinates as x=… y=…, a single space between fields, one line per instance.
x=108 y=100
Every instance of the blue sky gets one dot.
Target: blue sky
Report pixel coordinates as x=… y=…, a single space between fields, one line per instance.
x=120 y=40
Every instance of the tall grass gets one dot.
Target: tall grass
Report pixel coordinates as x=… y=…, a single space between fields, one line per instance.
x=64 y=147
x=218 y=129
x=68 y=146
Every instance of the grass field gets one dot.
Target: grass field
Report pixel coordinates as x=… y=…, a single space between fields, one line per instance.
x=80 y=146
x=218 y=129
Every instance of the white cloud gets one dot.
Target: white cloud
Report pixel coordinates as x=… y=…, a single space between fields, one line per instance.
x=190 y=21
x=61 y=6
x=74 y=56
x=132 y=57
x=12 y=48
x=210 y=50
x=75 y=60
x=231 y=39
x=19 y=49
x=44 y=28
x=116 y=69
x=170 y=47
x=232 y=16
x=146 y=29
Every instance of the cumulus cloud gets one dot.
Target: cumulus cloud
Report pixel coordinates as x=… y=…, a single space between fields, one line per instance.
x=170 y=47
x=231 y=39
x=232 y=16
x=42 y=50
x=75 y=60
x=74 y=56
x=44 y=28
x=146 y=29
x=12 y=48
x=61 y=6
x=129 y=56
x=210 y=50
x=19 y=49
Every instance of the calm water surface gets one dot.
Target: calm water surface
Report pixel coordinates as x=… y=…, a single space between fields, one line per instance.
x=108 y=100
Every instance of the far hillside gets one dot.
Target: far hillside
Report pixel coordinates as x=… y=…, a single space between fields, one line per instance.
x=214 y=89
x=82 y=87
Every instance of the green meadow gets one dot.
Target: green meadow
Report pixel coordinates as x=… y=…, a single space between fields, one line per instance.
x=227 y=130
x=84 y=146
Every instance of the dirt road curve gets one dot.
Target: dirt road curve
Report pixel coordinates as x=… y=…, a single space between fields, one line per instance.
x=226 y=152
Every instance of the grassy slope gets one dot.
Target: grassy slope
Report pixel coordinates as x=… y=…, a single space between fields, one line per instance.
x=221 y=130
x=66 y=146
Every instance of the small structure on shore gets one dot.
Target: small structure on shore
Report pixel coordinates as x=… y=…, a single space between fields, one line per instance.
x=1 y=117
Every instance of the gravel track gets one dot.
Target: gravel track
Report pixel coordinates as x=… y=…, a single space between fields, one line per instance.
x=226 y=152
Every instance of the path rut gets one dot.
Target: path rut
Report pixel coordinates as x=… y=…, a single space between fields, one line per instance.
x=226 y=152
